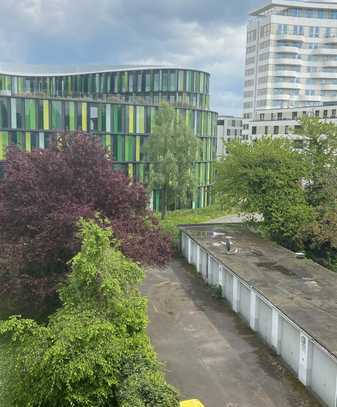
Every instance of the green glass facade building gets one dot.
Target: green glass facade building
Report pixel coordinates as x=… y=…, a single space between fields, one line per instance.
x=117 y=104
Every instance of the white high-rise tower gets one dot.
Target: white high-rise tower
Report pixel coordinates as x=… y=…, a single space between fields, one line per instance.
x=291 y=57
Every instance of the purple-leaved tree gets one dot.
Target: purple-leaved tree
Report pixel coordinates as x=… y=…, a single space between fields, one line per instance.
x=42 y=196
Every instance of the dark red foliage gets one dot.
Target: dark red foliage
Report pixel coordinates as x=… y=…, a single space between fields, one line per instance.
x=143 y=240
x=43 y=195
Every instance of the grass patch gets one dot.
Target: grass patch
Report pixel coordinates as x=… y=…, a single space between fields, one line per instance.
x=174 y=218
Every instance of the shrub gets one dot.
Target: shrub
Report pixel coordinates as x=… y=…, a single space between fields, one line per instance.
x=94 y=351
x=43 y=195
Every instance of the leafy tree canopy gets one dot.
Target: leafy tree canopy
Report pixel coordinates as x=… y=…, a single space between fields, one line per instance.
x=266 y=178
x=42 y=196
x=94 y=351
x=172 y=149
x=320 y=149
x=296 y=192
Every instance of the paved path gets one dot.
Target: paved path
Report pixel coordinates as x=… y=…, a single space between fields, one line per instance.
x=210 y=354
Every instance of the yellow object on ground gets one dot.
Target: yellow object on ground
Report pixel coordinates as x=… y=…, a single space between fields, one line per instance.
x=191 y=403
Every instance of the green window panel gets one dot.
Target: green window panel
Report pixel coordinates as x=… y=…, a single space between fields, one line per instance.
x=140 y=114
x=147 y=81
x=165 y=81
x=173 y=81
x=69 y=85
x=17 y=113
x=120 y=82
x=153 y=116
x=129 y=148
x=78 y=115
x=17 y=139
x=201 y=179
x=124 y=82
x=188 y=81
x=147 y=124
x=141 y=177
x=157 y=200
x=56 y=115
x=4 y=113
x=130 y=81
x=181 y=81
x=190 y=121
x=3 y=144
x=108 y=142
x=156 y=81
x=209 y=124
x=202 y=82
x=139 y=82
x=30 y=114
x=202 y=197
x=197 y=82
x=101 y=117
x=20 y=85
x=72 y=116
x=8 y=83
x=34 y=141
x=116 y=119
x=120 y=148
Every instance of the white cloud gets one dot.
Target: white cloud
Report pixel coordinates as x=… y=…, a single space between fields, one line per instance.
x=219 y=51
x=124 y=31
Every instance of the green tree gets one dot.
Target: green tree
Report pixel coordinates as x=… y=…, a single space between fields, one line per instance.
x=266 y=178
x=94 y=351
x=320 y=146
x=172 y=149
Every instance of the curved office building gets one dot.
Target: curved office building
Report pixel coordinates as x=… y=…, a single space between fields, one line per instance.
x=117 y=104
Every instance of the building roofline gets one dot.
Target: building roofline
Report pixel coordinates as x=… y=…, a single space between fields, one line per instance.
x=331 y=5
x=70 y=70
x=224 y=116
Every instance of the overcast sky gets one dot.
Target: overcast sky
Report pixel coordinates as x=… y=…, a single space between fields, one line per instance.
x=202 y=34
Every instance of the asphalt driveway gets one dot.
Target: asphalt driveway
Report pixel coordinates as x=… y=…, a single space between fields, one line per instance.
x=209 y=352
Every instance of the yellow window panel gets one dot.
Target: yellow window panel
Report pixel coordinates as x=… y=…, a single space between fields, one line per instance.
x=46 y=115
x=3 y=144
x=137 y=148
x=28 y=142
x=130 y=170
x=84 y=116
x=131 y=119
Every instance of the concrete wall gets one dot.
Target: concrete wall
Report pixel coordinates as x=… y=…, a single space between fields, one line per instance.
x=312 y=364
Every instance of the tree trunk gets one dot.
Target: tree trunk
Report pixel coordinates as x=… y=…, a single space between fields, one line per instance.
x=164 y=202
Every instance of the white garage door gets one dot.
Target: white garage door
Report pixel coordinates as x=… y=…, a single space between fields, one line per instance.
x=244 y=298
x=323 y=376
x=264 y=320
x=290 y=344
x=213 y=273
x=194 y=251
x=203 y=263
x=229 y=287
x=184 y=245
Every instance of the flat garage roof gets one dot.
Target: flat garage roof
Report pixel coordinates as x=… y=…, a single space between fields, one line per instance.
x=302 y=289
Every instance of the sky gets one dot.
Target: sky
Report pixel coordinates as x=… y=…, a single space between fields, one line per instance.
x=202 y=34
